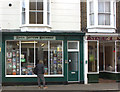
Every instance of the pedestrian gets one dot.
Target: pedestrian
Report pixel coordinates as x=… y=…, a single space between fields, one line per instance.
x=40 y=74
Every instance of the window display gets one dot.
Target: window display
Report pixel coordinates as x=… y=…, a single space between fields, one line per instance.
x=22 y=56
x=118 y=56
x=92 y=56
x=12 y=58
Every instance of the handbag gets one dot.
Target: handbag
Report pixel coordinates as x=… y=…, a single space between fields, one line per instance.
x=35 y=70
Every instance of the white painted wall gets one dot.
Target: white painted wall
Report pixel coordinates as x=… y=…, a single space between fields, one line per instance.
x=65 y=15
x=10 y=16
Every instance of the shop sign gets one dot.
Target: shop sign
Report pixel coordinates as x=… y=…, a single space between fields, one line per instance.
x=34 y=38
x=103 y=38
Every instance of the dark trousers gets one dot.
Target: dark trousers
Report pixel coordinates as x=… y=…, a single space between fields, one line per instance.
x=41 y=76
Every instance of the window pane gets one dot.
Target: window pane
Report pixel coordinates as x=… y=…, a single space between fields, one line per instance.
x=23 y=17
x=39 y=4
x=107 y=19
x=92 y=56
x=39 y=17
x=48 y=5
x=56 y=57
x=23 y=5
x=101 y=19
x=32 y=5
x=100 y=7
x=118 y=56
x=48 y=18
x=110 y=56
x=107 y=6
x=32 y=17
x=27 y=57
x=42 y=53
x=92 y=19
x=73 y=45
x=12 y=58
x=91 y=7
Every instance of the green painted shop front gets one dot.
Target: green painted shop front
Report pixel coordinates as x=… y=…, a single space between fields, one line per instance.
x=14 y=68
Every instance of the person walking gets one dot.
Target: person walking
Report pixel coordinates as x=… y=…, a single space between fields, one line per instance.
x=40 y=74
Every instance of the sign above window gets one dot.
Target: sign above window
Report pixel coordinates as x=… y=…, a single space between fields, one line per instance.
x=34 y=38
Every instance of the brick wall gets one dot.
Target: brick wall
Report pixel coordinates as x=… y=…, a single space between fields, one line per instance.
x=83 y=10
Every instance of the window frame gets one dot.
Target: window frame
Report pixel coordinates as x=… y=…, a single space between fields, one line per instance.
x=45 y=17
x=53 y=75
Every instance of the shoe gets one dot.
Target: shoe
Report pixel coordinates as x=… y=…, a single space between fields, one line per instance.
x=39 y=87
x=45 y=87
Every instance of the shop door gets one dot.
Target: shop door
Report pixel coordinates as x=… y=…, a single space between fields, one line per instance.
x=72 y=66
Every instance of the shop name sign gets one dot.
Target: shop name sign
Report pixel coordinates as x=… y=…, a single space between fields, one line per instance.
x=34 y=38
x=103 y=38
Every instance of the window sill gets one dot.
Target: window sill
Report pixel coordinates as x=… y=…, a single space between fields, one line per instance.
x=93 y=72
x=33 y=76
x=101 y=27
x=35 y=25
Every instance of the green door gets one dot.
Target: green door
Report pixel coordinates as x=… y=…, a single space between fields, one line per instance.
x=72 y=66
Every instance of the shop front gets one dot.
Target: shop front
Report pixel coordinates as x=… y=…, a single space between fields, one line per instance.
x=103 y=57
x=62 y=54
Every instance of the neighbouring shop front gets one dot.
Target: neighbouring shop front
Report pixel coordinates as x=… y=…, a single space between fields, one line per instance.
x=103 y=57
x=62 y=54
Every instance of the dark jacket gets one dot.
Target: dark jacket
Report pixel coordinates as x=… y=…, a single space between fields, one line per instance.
x=40 y=69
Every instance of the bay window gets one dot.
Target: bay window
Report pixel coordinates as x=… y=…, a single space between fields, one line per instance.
x=101 y=13
x=22 y=56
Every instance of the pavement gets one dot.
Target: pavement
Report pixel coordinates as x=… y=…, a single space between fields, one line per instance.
x=76 y=87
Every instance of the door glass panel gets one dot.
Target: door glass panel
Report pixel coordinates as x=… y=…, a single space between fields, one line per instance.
x=73 y=45
x=73 y=61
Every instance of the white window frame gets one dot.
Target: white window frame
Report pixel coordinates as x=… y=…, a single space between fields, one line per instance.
x=56 y=75
x=27 y=24
x=112 y=15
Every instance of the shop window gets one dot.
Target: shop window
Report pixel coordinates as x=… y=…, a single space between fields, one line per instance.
x=55 y=57
x=92 y=56
x=12 y=58
x=118 y=56
x=22 y=56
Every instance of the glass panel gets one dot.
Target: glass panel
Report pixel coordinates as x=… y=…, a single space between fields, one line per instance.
x=73 y=45
x=48 y=18
x=32 y=5
x=92 y=19
x=42 y=53
x=91 y=7
x=48 y=5
x=110 y=56
x=100 y=7
x=118 y=56
x=12 y=58
x=27 y=57
x=107 y=6
x=39 y=4
x=23 y=5
x=92 y=56
x=23 y=17
x=32 y=17
x=56 y=57
x=101 y=19
x=73 y=61
x=39 y=17
x=107 y=19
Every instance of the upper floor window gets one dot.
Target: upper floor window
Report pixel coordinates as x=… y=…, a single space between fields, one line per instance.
x=36 y=12
x=104 y=13
x=101 y=13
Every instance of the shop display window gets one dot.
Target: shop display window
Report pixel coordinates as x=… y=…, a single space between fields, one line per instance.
x=92 y=56
x=22 y=56
x=118 y=56
x=12 y=58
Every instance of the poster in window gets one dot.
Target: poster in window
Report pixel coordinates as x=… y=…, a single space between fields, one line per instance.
x=9 y=55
